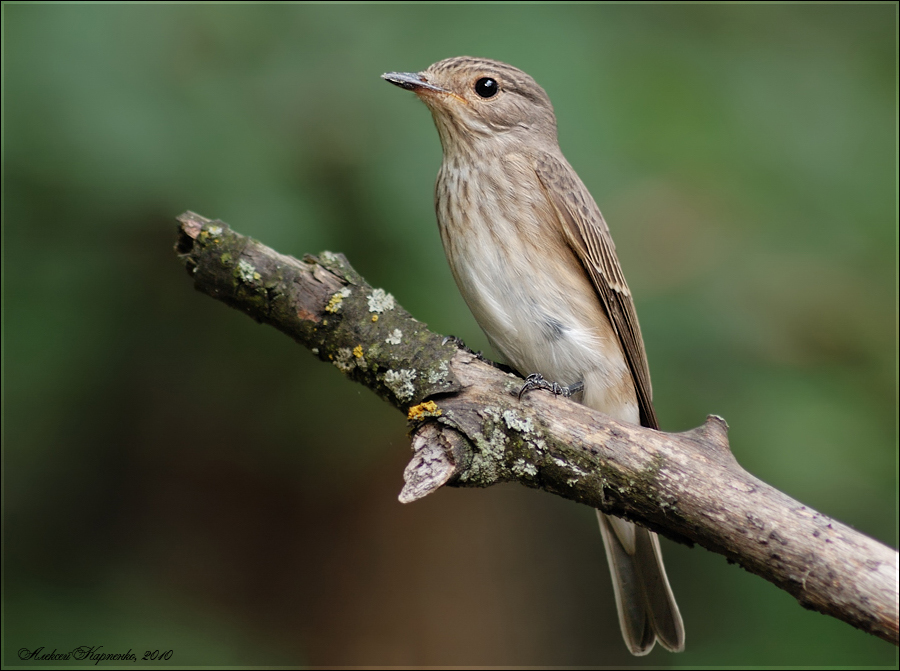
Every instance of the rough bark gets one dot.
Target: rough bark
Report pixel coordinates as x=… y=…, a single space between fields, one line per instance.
x=469 y=428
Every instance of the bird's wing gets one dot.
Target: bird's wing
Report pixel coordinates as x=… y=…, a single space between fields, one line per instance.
x=588 y=236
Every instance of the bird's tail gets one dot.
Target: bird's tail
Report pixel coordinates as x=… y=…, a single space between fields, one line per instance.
x=646 y=605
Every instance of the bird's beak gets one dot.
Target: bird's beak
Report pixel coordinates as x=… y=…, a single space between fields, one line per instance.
x=412 y=81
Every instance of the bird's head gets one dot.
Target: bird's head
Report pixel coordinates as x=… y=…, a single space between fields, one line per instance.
x=476 y=101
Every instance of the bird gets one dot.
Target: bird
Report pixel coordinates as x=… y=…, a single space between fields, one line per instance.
x=536 y=264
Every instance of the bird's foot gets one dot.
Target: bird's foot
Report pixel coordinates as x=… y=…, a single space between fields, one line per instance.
x=461 y=345
x=537 y=381
x=478 y=355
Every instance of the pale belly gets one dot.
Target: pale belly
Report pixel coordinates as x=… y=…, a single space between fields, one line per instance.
x=532 y=298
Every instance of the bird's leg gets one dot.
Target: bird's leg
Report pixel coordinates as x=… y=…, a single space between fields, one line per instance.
x=537 y=381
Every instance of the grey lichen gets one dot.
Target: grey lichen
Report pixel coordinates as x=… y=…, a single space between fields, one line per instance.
x=438 y=374
x=395 y=338
x=569 y=466
x=523 y=468
x=214 y=231
x=328 y=257
x=525 y=427
x=516 y=423
x=374 y=352
x=380 y=300
x=246 y=272
x=487 y=460
x=401 y=383
x=345 y=361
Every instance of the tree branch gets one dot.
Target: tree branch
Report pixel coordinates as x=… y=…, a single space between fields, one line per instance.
x=470 y=429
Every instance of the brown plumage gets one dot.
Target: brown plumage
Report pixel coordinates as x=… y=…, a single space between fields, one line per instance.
x=535 y=262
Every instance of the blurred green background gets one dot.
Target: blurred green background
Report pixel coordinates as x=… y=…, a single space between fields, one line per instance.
x=179 y=477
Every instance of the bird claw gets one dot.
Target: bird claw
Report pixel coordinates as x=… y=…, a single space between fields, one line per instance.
x=537 y=381
x=456 y=341
x=478 y=355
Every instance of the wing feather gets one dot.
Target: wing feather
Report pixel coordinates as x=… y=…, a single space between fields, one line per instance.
x=588 y=236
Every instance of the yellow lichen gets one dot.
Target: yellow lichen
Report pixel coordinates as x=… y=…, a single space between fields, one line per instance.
x=358 y=352
x=374 y=318
x=423 y=410
x=334 y=305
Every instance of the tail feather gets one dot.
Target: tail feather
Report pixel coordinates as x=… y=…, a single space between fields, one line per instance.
x=644 y=600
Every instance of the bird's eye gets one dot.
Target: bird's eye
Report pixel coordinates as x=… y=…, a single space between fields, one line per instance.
x=487 y=87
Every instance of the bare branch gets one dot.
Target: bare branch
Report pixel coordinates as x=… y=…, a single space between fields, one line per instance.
x=470 y=429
